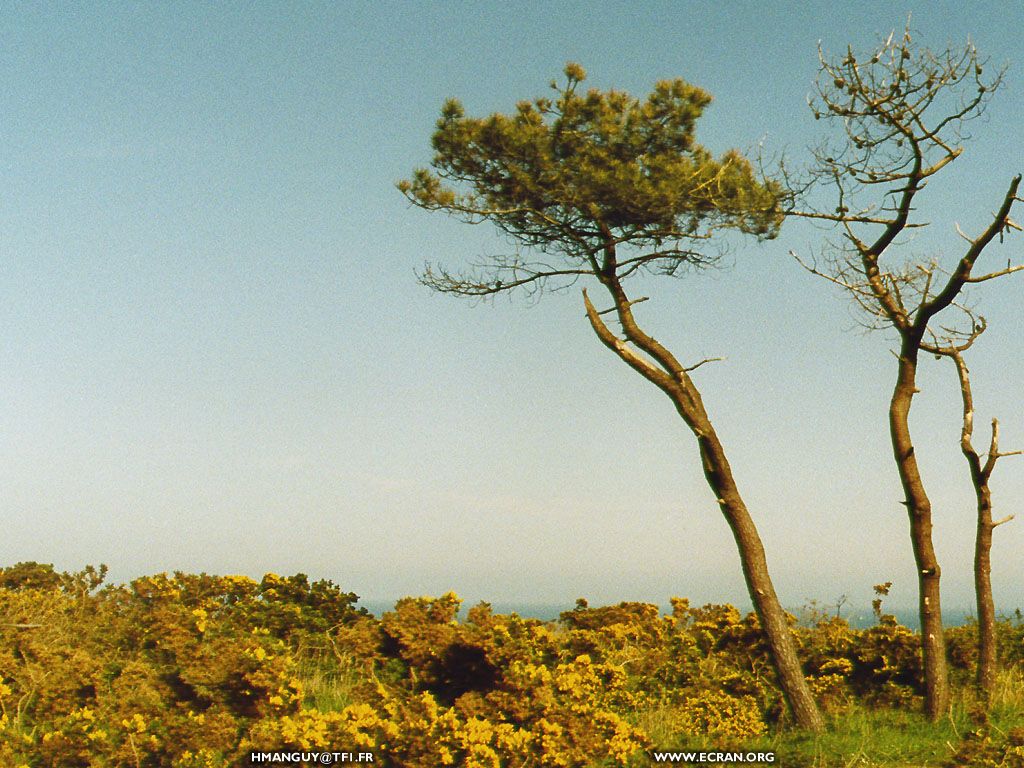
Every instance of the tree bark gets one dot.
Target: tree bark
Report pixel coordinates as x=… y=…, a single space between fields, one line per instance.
x=983 y=593
x=980 y=474
x=755 y=565
x=919 y=510
x=668 y=375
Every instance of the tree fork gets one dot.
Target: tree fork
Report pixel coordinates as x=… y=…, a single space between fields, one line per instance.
x=717 y=471
x=899 y=112
x=980 y=475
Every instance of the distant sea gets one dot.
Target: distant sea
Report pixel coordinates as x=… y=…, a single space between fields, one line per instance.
x=550 y=611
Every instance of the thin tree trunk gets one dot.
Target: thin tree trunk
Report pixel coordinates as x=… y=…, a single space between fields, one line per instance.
x=980 y=474
x=755 y=569
x=669 y=376
x=983 y=593
x=919 y=510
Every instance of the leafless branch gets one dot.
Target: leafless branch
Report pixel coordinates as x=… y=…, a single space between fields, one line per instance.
x=631 y=303
x=993 y=275
x=695 y=366
x=901 y=113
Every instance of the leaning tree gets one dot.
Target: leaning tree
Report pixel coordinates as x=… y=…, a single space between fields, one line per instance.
x=603 y=187
x=900 y=113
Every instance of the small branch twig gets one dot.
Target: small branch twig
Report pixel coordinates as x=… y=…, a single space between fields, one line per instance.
x=695 y=366
x=629 y=304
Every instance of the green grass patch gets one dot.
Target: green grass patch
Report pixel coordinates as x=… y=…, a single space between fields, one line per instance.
x=875 y=737
x=328 y=684
x=861 y=737
x=864 y=737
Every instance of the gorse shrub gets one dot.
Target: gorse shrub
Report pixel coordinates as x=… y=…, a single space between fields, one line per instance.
x=194 y=671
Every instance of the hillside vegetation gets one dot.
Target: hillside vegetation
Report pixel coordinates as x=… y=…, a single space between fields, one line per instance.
x=190 y=671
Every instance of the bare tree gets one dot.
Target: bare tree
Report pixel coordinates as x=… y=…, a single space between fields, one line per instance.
x=981 y=472
x=602 y=187
x=901 y=112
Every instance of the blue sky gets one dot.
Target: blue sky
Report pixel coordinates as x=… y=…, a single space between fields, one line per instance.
x=215 y=356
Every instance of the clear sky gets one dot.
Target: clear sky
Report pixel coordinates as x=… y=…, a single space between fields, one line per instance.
x=214 y=354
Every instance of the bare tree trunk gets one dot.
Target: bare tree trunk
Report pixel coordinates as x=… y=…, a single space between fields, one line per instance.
x=980 y=474
x=986 y=671
x=755 y=565
x=889 y=141
x=983 y=593
x=667 y=374
x=919 y=510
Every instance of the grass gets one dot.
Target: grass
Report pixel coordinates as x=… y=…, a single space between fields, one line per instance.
x=858 y=737
x=873 y=738
x=328 y=682
x=863 y=737
x=1008 y=694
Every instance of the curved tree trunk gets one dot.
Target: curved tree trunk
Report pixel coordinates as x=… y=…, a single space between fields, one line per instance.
x=919 y=510
x=662 y=369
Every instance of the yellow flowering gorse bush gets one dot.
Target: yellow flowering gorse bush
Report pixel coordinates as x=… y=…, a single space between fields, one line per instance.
x=195 y=671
